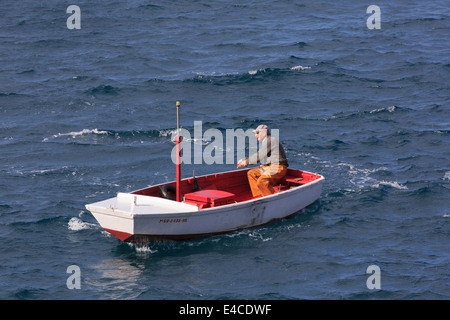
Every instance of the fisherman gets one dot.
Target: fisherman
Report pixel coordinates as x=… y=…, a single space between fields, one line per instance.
x=273 y=161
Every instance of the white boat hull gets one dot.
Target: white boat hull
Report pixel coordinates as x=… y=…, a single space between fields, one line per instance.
x=141 y=218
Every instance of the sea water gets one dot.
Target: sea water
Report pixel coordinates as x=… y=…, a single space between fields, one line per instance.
x=86 y=113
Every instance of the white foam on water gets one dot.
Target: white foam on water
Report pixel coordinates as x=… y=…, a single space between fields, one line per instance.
x=76 y=224
x=389 y=109
x=167 y=132
x=357 y=177
x=142 y=248
x=75 y=134
x=393 y=184
x=258 y=236
x=447 y=176
x=300 y=68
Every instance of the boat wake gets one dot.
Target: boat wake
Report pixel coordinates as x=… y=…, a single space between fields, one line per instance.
x=143 y=248
x=162 y=246
x=361 y=178
x=354 y=178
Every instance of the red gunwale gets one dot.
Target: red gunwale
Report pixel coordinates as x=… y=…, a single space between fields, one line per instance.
x=235 y=182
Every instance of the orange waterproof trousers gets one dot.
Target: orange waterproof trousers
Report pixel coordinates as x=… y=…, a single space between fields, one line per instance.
x=263 y=179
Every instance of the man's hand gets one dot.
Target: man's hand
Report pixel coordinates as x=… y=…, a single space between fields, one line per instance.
x=242 y=163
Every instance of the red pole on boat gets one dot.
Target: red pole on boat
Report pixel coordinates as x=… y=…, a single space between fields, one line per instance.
x=178 y=164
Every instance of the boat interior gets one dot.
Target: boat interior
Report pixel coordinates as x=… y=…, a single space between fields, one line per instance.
x=222 y=188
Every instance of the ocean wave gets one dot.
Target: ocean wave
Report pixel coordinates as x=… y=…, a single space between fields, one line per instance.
x=393 y=184
x=76 y=224
x=353 y=178
x=28 y=172
x=361 y=113
x=268 y=73
x=75 y=134
x=132 y=136
x=361 y=178
x=388 y=109
x=143 y=248
x=299 y=68
x=104 y=90
x=96 y=135
x=447 y=176
x=354 y=114
x=258 y=236
x=274 y=70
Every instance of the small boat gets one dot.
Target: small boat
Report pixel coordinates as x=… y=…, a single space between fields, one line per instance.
x=197 y=207
x=212 y=204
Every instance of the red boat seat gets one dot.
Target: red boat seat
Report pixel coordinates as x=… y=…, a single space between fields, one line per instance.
x=209 y=198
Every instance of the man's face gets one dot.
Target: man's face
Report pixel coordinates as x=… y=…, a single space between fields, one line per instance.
x=260 y=135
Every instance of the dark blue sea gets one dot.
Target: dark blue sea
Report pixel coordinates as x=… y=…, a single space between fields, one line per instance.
x=87 y=113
